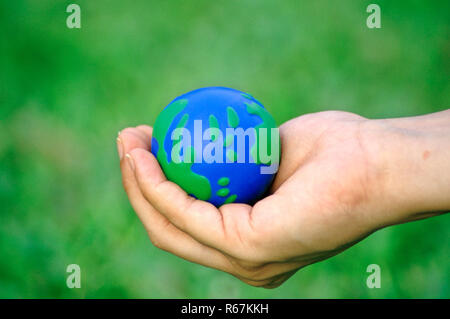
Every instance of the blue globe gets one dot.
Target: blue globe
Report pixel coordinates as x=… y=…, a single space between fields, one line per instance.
x=211 y=142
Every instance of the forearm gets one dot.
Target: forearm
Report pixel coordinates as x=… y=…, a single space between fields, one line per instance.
x=413 y=165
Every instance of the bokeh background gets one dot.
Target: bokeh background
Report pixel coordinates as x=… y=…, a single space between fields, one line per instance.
x=65 y=93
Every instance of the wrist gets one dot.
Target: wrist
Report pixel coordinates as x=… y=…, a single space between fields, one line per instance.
x=410 y=162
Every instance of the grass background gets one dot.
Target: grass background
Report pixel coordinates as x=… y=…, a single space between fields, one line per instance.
x=65 y=93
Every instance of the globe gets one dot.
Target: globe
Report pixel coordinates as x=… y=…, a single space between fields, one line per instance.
x=218 y=144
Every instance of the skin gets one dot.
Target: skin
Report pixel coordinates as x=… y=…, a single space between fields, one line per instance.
x=341 y=178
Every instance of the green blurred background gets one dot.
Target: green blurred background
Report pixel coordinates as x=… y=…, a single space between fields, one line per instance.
x=65 y=93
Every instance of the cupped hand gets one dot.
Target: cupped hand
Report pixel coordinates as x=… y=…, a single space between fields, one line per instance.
x=326 y=197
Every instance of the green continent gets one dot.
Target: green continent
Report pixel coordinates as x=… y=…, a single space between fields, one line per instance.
x=180 y=173
x=268 y=123
x=247 y=96
x=223 y=192
x=223 y=181
x=229 y=140
x=213 y=123
x=231 y=199
x=232 y=156
x=233 y=118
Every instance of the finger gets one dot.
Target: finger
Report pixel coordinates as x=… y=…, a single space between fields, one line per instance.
x=147 y=130
x=132 y=138
x=198 y=218
x=161 y=232
x=135 y=138
x=296 y=148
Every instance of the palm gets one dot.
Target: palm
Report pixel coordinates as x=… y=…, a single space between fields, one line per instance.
x=312 y=201
x=323 y=181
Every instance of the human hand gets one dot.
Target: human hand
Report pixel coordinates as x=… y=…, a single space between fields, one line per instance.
x=336 y=184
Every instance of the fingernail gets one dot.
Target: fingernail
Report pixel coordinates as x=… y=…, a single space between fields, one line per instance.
x=120 y=148
x=130 y=161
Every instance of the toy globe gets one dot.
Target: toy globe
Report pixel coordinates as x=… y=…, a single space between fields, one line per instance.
x=218 y=144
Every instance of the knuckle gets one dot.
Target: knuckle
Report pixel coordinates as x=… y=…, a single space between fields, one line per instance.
x=253 y=283
x=256 y=284
x=272 y=285
x=253 y=272
x=255 y=252
x=157 y=242
x=250 y=257
x=161 y=188
x=247 y=245
x=258 y=277
x=128 y=130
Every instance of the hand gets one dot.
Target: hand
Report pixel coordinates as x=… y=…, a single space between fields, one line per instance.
x=335 y=185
